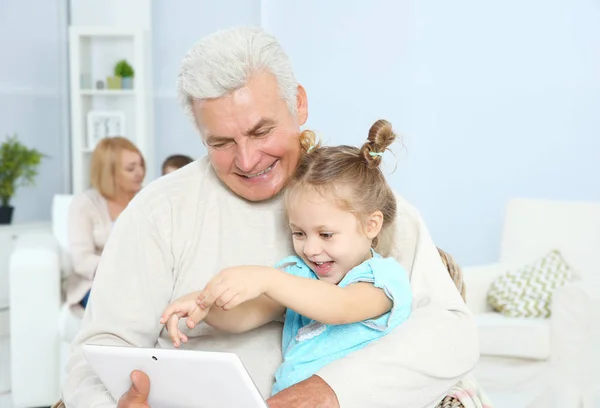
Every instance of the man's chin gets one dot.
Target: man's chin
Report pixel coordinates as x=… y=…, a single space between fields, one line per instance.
x=258 y=192
x=261 y=195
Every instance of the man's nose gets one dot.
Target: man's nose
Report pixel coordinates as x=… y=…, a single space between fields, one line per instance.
x=247 y=157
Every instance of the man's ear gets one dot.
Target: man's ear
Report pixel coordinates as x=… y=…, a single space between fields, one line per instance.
x=301 y=105
x=374 y=224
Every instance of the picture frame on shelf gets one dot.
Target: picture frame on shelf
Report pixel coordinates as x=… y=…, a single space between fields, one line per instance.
x=101 y=124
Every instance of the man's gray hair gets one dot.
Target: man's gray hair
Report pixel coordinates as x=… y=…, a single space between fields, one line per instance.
x=224 y=62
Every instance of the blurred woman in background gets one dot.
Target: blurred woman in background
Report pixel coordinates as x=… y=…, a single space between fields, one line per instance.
x=116 y=173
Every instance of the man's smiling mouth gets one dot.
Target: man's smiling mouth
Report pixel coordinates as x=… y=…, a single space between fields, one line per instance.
x=260 y=173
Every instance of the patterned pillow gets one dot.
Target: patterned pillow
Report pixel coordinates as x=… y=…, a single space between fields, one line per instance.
x=527 y=292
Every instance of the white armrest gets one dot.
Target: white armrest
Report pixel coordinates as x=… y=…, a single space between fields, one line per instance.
x=478 y=280
x=575 y=336
x=576 y=332
x=35 y=298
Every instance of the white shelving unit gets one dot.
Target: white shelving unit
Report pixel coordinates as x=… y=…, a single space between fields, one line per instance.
x=93 y=53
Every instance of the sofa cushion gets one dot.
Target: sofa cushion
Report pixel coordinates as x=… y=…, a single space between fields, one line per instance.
x=503 y=336
x=527 y=291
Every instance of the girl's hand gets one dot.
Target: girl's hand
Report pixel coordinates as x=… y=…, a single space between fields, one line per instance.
x=185 y=306
x=234 y=286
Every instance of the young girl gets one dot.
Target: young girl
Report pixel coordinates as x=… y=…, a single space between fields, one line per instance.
x=340 y=294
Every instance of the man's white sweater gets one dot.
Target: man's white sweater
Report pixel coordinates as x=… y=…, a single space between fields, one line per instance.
x=182 y=229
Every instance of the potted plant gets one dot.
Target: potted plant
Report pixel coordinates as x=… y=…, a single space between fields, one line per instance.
x=18 y=167
x=126 y=72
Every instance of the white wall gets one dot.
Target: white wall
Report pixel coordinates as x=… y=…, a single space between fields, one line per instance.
x=33 y=95
x=118 y=13
x=494 y=99
x=176 y=26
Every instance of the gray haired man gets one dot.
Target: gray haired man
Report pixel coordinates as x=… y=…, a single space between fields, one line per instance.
x=239 y=88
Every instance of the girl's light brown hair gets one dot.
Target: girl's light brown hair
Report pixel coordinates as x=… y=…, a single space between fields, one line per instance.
x=105 y=159
x=352 y=176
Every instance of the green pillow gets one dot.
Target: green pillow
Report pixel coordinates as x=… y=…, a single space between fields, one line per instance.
x=527 y=292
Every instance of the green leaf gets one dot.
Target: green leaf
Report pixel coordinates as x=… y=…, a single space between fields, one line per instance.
x=18 y=167
x=123 y=69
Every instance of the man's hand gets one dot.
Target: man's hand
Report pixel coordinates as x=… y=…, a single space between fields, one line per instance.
x=137 y=395
x=313 y=392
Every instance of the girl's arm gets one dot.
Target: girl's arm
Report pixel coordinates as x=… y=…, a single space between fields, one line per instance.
x=246 y=316
x=325 y=302
x=315 y=299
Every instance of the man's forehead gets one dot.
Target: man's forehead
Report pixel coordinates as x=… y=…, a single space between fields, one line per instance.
x=243 y=96
x=227 y=121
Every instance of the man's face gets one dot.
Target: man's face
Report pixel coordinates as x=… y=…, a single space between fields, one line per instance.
x=252 y=138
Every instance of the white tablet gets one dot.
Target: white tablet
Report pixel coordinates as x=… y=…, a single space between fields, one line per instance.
x=178 y=378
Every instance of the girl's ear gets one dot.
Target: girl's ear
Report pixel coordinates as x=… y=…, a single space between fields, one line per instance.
x=374 y=224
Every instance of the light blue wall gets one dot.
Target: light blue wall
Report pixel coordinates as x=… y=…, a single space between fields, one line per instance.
x=176 y=26
x=494 y=99
x=33 y=96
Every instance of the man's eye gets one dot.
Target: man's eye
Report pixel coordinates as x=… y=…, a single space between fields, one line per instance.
x=263 y=132
x=219 y=145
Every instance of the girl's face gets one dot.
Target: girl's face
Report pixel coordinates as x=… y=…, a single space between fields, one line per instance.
x=329 y=239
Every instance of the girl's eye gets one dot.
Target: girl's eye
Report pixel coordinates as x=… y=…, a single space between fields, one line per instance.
x=326 y=235
x=297 y=234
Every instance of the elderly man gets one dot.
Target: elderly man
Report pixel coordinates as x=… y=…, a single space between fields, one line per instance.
x=239 y=88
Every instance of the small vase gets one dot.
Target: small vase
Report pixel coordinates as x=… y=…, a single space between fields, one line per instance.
x=127 y=82
x=113 y=82
x=6 y=213
x=85 y=81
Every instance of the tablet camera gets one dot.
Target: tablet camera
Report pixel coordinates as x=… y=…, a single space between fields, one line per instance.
x=154 y=358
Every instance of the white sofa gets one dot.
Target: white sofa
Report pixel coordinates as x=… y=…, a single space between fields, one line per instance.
x=543 y=362
x=41 y=326
x=524 y=362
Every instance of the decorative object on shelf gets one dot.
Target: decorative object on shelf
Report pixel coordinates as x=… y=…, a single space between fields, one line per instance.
x=99 y=84
x=85 y=81
x=113 y=82
x=104 y=124
x=126 y=72
x=18 y=167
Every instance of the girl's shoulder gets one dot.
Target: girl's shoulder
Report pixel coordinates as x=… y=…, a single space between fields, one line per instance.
x=377 y=270
x=378 y=263
x=295 y=266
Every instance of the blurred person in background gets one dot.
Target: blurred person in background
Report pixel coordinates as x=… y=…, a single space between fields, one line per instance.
x=175 y=162
x=116 y=174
